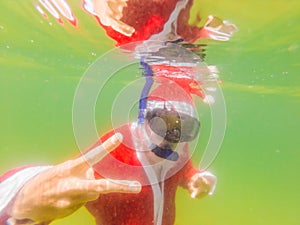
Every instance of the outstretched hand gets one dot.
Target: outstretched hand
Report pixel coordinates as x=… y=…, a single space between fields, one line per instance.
x=217 y=29
x=61 y=190
x=202 y=184
x=109 y=13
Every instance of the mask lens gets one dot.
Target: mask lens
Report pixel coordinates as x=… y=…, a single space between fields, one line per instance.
x=172 y=126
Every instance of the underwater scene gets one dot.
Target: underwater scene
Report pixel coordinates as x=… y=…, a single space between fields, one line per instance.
x=47 y=47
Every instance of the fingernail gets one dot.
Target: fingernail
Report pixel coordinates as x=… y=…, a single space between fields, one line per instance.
x=134 y=186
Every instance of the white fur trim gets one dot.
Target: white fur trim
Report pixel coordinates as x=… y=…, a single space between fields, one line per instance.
x=10 y=187
x=181 y=107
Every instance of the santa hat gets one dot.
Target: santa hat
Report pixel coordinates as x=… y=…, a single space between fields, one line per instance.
x=171 y=96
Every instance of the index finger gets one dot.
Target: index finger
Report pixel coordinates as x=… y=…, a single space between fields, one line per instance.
x=96 y=154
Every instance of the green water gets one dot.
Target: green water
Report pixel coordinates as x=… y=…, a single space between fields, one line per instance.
x=41 y=63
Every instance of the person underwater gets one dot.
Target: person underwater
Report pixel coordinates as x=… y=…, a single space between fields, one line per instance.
x=156 y=154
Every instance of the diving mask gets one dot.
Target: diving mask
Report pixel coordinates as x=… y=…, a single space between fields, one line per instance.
x=173 y=126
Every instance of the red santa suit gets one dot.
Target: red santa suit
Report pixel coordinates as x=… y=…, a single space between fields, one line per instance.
x=139 y=209
x=160 y=177
x=134 y=160
x=117 y=208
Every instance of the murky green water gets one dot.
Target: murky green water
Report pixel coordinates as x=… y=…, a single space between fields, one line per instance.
x=41 y=62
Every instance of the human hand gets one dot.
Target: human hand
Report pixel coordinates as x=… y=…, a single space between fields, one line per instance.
x=202 y=184
x=217 y=29
x=109 y=13
x=64 y=188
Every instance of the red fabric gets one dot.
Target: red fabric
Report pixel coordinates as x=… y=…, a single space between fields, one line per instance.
x=185 y=81
x=149 y=17
x=154 y=25
x=176 y=83
x=134 y=209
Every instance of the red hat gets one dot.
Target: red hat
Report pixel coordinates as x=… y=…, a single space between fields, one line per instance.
x=172 y=96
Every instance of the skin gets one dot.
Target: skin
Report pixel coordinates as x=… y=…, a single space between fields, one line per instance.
x=110 y=12
x=200 y=185
x=64 y=188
